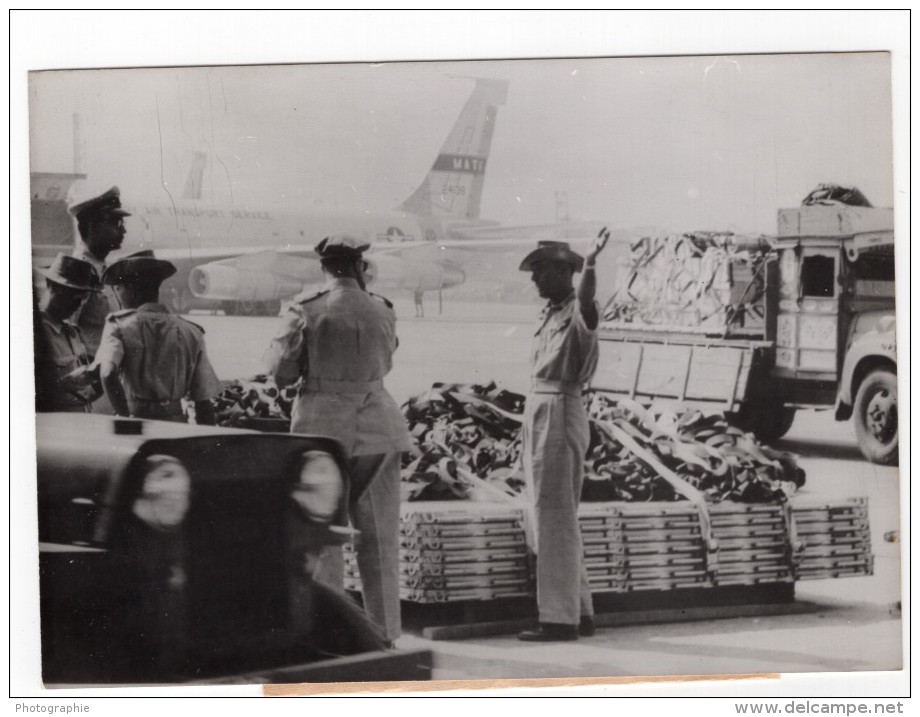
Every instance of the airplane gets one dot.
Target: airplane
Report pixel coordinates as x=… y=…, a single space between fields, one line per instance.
x=247 y=261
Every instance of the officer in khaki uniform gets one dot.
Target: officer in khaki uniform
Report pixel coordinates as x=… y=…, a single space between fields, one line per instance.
x=100 y=223
x=149 y=359
x=63 y=379
x=339 y=342
x=556 y=434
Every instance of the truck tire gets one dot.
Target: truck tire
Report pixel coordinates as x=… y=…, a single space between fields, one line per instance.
x=767 y=418
x=875 y=417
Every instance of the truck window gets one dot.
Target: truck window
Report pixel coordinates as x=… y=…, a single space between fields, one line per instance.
x=874 y=267
x=818 y=277
x=873 y=276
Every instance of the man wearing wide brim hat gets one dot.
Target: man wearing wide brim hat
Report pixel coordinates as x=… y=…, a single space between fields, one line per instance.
x=101 y=227
x=556 y=434
x=339 y=343
x=63 y=378
x=142 y=267
x=151 y=360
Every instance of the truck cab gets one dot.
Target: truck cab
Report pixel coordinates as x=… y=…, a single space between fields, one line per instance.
x=835 y=319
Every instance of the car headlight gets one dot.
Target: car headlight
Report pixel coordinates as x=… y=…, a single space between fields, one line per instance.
x=164 y=498
x=319 y=490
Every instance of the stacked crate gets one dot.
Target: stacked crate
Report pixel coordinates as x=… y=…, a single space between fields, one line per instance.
x=453 y=551
x=642 y=546
x=836 y=538
x=661 y=546
x=754 y=544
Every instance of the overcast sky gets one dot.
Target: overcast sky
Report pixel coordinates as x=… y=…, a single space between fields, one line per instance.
x=677 y=142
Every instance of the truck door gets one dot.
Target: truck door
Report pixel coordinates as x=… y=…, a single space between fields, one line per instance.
x=808 y=320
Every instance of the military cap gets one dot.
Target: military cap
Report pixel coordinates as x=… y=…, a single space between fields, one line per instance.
x=106 y=203
x=140 y=265
x=342 y=245
x=553 y=251
x=72 y=272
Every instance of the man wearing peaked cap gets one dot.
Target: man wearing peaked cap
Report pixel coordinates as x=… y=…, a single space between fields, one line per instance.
x=100 y=224
x=63 y=379
x=151 y=360
x=109 y=202
x=339 y=343
x=346 y=246
x=556 y=434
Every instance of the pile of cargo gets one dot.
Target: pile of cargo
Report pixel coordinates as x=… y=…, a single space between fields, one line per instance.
x=451 y=551
x=467 y=438
x=701 y=280
x=467 y=444
x=253 y=398
x=671 y=499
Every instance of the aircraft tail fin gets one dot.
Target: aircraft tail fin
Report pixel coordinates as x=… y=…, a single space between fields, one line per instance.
x=452 y=188
x=195 y=177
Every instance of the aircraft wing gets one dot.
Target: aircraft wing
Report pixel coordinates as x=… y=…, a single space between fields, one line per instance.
x=559 y=231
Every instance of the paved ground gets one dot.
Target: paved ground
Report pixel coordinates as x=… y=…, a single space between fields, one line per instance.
x=854 y=626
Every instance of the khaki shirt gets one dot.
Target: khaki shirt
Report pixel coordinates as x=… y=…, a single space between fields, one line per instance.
x=90 y=317
x=341 y=341
x=59 y=351
x=564 y=348
x=161 y=357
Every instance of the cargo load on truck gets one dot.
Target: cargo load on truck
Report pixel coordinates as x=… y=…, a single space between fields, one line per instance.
x=703 y=282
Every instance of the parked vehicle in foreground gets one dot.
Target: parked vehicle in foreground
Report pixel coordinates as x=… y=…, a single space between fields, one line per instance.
x=174 y=553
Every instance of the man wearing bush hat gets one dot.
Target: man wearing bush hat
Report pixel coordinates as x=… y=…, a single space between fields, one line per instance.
x=339 y=343
x=100 y=224
x=150 y=360
x=63 y=379
x=556 y=434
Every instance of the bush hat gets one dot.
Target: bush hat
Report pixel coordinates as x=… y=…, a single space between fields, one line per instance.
x=553 y=251
x=73 y=273
x=137 y=266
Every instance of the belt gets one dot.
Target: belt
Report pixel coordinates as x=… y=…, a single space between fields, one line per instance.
x=168 y=406
x=543 y=385
x=325 y=385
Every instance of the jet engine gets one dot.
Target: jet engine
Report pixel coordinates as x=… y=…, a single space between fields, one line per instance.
x=228 y=283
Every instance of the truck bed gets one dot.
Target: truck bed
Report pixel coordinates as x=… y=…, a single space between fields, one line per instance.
x=654 y=364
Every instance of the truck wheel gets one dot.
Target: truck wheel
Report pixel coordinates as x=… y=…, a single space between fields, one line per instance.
x=766 y=418
x=875 y=417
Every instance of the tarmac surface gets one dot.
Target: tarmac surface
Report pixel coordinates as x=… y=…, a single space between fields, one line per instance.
x=842 y=625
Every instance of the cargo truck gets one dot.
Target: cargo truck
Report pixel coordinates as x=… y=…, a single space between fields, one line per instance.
x=823 y=335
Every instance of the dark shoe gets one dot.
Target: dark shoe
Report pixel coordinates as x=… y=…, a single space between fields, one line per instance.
x=550 y=632
x=586 y=626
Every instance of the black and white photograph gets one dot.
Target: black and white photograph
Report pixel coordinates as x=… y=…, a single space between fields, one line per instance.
x=531 y=372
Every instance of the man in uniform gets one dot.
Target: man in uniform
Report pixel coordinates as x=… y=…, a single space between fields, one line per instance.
x=100 y=223
x=340 y=343
x=63 y=381
x=149 y=359
x=556 y=434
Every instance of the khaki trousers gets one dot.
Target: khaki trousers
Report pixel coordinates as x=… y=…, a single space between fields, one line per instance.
x=556 y=438
x=374 y=509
